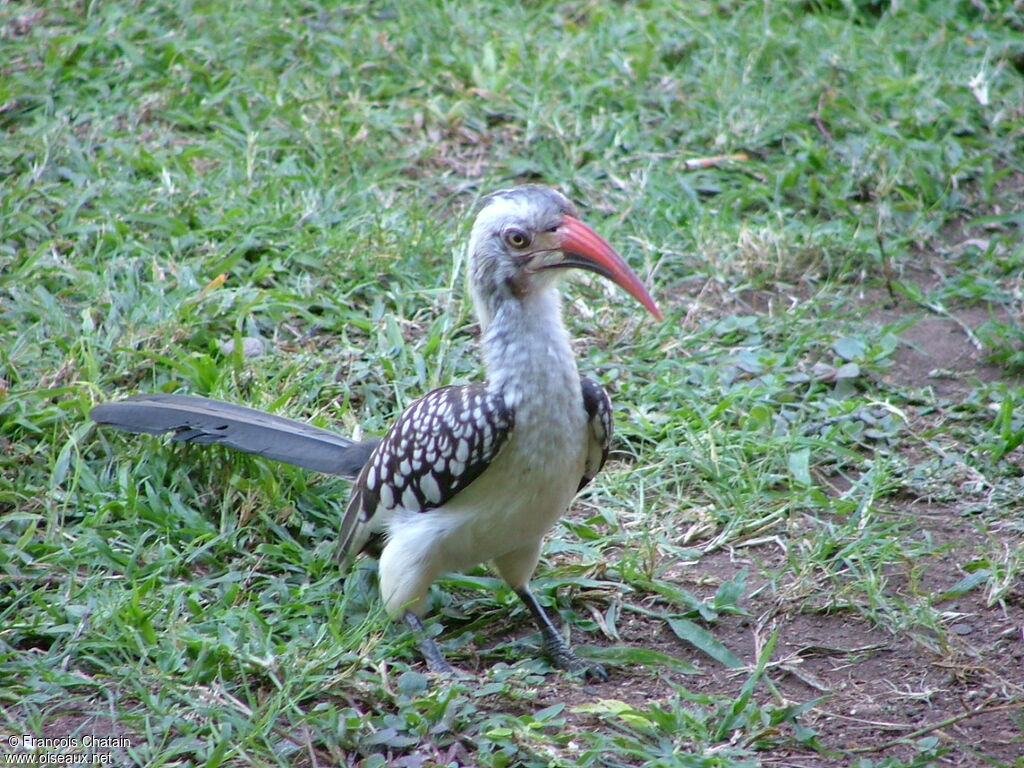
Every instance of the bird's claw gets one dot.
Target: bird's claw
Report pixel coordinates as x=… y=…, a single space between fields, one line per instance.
x=595 y=673
x=592 y=672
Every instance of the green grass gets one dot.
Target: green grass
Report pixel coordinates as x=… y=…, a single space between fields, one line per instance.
x=323 y=159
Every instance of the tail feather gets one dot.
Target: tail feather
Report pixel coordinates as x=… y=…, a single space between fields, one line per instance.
x=202 y=420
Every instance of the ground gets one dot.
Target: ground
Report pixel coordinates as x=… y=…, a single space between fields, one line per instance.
x=873 y=693
x=878 y=693
x=806 y=549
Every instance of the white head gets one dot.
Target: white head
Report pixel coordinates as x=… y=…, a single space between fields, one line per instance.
x=521 y=241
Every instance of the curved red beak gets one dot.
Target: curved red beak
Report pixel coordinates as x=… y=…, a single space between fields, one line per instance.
x=582 y=247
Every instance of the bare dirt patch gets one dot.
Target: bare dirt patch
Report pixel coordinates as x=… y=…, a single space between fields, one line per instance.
x=879 y=694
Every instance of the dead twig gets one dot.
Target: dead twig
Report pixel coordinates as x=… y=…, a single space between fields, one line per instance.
x=714 y=161
x=938 y=309
x=982 y=709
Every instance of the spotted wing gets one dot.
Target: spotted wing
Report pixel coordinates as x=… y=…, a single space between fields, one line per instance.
x=438 y=446
x=599 y=421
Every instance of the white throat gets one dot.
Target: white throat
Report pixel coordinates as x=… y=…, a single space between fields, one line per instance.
x=527 y=352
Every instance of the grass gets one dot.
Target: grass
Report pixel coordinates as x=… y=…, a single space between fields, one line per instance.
x=180 y=177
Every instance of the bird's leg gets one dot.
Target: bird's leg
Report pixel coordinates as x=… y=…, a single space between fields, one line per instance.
x=555 y=647
x=431 y=653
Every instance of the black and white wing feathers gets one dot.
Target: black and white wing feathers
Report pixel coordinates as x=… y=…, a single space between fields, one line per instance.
x=437 y=447
x=599 y=421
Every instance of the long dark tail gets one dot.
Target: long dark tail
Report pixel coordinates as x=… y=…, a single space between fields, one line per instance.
x=201 y=420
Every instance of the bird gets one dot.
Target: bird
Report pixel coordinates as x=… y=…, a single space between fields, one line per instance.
x=469 y=473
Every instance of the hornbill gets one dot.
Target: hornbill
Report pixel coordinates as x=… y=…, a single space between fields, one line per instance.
x=467 y=474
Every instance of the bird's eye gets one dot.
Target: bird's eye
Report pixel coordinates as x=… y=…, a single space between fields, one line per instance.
x=517 y=238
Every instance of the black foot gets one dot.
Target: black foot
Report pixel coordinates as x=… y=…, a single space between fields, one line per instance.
x=555 y=647
x=564 y=658
x=432 y=655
